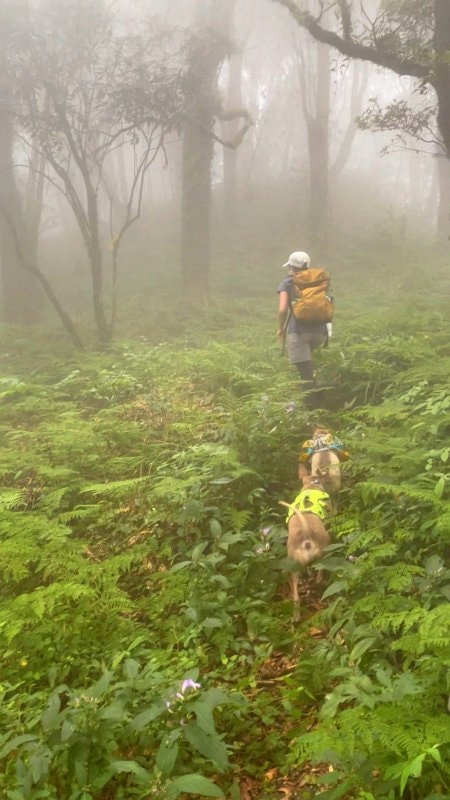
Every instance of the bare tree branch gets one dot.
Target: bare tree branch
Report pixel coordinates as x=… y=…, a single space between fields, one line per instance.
x=227 y=116
x=353 y=49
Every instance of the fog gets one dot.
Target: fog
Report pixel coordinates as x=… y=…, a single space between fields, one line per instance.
x=184 y=146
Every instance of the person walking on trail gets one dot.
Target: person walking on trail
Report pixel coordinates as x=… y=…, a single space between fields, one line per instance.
x=305 y=311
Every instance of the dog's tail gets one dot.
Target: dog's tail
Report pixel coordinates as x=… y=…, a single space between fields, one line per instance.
x=293 y=508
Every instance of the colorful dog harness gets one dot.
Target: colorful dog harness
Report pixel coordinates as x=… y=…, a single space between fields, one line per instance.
x=323 y=441
x=316 y=501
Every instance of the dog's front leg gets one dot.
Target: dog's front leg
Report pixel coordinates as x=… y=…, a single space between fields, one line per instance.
x=293 y=579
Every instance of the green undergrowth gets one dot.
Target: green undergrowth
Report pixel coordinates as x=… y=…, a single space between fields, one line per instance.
x=147 y=648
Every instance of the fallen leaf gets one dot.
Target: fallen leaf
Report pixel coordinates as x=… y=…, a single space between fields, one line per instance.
x=246 y=787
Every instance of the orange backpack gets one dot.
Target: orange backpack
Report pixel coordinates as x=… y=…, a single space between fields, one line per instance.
x=312 y=303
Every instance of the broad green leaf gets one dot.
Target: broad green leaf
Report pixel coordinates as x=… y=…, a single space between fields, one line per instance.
x=383 y=678
x=205 y=720
x=412 y=770
x=361 y=647
x=14 y=744
x=38 y=765
x=212 y=622
x=218 y=697
x=215 y=527
x=210 y=746
x=335 y=588
x=435 y=753
x=99 y=688
x=198 y=551
x=433 y=565
x=440 y=487
x=181 y=565
x=114 y=711
x=131 y=668
x=166 y=757
x=147 y=716
x=338 y=791
x=51 y=713
x=133 y=768
x=197 y=784
x=66 y=730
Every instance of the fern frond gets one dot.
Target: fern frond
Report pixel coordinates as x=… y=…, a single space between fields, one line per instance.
x=374 y=489
x=11 y=498
x=393 y=622
x=50 y=502
x=238 y=518
x=77 y=513
x=400 y=577
x=443 y=523
x=45 y=603
x=434 y=629
x=116 y=489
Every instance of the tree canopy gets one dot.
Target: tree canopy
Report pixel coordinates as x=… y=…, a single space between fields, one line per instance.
x=408 y=37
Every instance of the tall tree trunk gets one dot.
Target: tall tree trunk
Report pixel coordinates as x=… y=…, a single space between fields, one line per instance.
x=360 y=76
x=230 y=155
x=230 y=129
x=123 y=180
x=443 y=216
x=20 y=297
x=33 y=202
x=318 y=149
x=198 y=148
x=196 y=203
x=104 y=329
x=441 y=81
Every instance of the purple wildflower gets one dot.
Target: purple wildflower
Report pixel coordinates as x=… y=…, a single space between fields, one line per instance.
x=188 y=684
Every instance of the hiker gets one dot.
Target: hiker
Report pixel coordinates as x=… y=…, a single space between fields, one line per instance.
x=304 y=310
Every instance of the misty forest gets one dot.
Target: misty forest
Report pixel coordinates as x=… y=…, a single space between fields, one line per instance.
x=170 y=172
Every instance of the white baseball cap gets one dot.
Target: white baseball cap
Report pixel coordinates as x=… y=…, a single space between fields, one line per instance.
x=298 y=260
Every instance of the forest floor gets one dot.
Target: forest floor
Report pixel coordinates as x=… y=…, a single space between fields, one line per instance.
x=145 y=620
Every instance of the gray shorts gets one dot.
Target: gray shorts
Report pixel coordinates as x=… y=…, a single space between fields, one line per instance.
x=300 y=345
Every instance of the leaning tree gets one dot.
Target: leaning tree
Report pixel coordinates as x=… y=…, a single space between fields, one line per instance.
x=85 y=88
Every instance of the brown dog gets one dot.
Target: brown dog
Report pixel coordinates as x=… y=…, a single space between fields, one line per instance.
x=325 y=453
x=326 y=466
x=307 y=535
